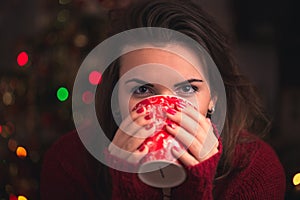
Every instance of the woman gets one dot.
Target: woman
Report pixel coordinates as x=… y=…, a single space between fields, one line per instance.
x=239 y=165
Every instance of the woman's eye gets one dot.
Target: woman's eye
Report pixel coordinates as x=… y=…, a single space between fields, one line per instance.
x=141 y=91
x=187 y=90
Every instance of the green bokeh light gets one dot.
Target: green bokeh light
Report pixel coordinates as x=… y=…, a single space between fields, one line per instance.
x=62 y=94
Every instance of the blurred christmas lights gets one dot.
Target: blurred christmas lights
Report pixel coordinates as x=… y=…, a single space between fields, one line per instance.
x=80 y=40
x=20 y=92
x=62 y=94
x=21 y=152
x=63 y=15
x=22 y=197
x=22 y=59
x=7 y=130
x=296 y=179
x=4 y=133
x=87 y=97
x=8 y=98
x=13 y=197
x=12 y=145
x=95 y=77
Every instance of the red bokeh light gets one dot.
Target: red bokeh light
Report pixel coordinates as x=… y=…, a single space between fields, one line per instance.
x=13 y=197
x=22 y=59
x=87 y=97
x=95 y=77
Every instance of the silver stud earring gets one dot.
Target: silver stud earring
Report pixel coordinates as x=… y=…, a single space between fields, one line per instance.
x=210 y=112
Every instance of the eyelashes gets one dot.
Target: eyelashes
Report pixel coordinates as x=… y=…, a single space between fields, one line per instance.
x=183 y=90
x=187 y=90
x=142 y=91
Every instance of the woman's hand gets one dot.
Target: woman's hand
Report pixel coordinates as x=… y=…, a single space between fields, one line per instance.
x=195 y=131
x=132 y=132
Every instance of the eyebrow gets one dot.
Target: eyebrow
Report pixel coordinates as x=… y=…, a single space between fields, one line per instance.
x=151 y=85
x=188 y=82
x=140 y=82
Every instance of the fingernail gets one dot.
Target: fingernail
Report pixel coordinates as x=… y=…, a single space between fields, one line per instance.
x=181 y=105
x=142 y=148
x=148 y=117
x=140 y=110
x=172 y=125
x=171 y=111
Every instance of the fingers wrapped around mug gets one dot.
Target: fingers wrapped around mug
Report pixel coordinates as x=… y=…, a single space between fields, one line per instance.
x=131 y=134
x=195 y=131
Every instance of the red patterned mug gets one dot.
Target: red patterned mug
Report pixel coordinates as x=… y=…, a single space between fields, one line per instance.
x=159 y=168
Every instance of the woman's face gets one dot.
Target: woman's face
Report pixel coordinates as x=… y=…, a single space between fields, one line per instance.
x=151 y=71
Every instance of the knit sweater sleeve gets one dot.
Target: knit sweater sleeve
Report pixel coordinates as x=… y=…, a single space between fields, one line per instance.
x=199 y=183
x=261 y=175
x=200 y=178
x=126 y=185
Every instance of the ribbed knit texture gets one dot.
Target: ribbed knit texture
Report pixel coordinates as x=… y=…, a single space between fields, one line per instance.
x=69 y=172
x=260 y=174
x=199 y=178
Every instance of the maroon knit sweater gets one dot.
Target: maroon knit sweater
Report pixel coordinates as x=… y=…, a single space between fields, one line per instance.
x=70 y=172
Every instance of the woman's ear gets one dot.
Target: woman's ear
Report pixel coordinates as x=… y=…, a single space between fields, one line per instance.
x=211 y=107
x=212 y=103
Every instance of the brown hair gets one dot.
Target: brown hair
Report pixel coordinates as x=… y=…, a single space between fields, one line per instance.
x=244 y=109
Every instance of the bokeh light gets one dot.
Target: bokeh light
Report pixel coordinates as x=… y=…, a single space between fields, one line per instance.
x=80 y=40
x=87 y=97
x=12 y=145
x=22 y=59
x=8 y=98
x=13 y=197
x=63 y=15
x=22 y=197
x=296 y=179
x=62 y=94
x=4 y=131
x=21 y=152
x=7 y=130
x=95 y=77
x=1 y=129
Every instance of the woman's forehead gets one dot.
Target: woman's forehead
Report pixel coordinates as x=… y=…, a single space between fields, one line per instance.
x=181 y=59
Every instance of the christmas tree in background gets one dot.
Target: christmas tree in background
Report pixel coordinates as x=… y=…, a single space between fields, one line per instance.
x=35 y=93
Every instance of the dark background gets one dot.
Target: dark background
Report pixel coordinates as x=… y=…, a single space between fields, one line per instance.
x=58 y=34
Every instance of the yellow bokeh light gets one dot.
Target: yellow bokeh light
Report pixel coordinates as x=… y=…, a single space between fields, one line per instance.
x=22 y=198
x=296 y=179
x=8 y=98
x=21 y=152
